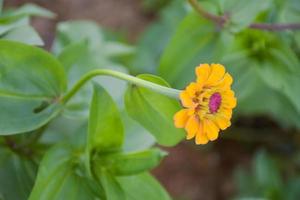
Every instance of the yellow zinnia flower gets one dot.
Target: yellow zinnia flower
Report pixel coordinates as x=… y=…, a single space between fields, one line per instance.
x=207 y=103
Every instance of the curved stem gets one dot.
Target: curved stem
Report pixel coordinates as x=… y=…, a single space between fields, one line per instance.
x=131 y=79
x=215 y=18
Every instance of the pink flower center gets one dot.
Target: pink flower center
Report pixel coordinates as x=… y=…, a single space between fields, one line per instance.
x=215 y=102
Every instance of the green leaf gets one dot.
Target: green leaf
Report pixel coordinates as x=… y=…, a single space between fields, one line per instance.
x=7 y=26
x=267 y=175
x=29 y=10
x=120 y=164
x=72 y=53
x=31 y=82
x=149 y=46
x=74 y=31
x=137 y=138
x=17 y=175
x=116 y=49
x=59 y=177
x=281 y=71
x=274 y=61
x=263 y=67
x=289 y=12
x=63 y=129
x=34 y=10
x=24 y=34
x=154 y=111
x=113 y=190
x=142 y=186
x=250 y=89
x=204 y=44
x=243 y=13
x=105 y=132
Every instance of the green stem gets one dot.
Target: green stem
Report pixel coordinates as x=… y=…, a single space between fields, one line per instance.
x=131 y=79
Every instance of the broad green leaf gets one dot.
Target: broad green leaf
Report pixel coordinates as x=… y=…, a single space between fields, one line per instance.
x=120 y=164
x=59 y=176
x=113 y=190
x=267 y=175
x=7 y=26
x=278 y=107
x=250 y=89
x=34 y=10
x=72 y=53
x=203 y=44
x=149 y=46
x=154 y=111
x=243 y=12
x=105 y=132
x=290 y=12
x=281 y=71
x=24 y=34
x=63 y=129
x=142 y=186
x=74 y=31
x=100 y=48
x=17 y=175
x=31 y=83
x=115 y=49
x=29 y=10
x=137 y=138
x=275 y=62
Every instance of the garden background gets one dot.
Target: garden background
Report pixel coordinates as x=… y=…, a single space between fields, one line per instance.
x=258 y=157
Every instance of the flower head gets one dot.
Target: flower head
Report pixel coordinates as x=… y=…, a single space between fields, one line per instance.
x=207 y=103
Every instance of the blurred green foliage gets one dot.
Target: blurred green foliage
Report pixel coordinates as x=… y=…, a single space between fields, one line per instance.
x=152 y=42
x=103 y=153
x=15 y=24
x=266 y=179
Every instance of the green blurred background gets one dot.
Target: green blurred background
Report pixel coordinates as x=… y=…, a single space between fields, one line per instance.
x=258 y=157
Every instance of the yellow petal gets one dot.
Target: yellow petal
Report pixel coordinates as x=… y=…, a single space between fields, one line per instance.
x=192 y=88
x=180 y=118
x=226 y=81
x=227 y=113
x=202 y=73
x=228 y=102
x=217 y=74
x=192 y=126
x=186 y=100
x=212 y=131
x=228 y=93
x=200 y=135
x=221 y=122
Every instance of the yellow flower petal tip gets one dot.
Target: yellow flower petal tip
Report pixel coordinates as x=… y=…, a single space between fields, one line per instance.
x=207 y=103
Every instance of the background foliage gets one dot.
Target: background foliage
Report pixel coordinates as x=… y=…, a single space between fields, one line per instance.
x=97 y=146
